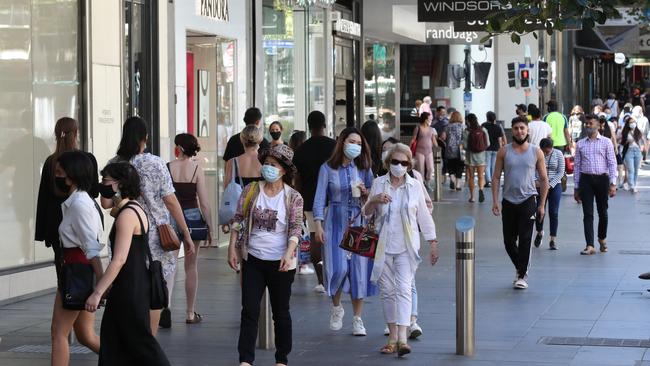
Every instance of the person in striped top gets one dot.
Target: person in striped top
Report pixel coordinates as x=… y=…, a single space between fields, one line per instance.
x=555 y=170
x=594 y=176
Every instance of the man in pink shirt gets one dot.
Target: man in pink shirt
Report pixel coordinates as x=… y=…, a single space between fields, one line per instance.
x=426 y=107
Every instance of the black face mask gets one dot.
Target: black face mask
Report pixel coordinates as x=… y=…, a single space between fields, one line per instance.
x=61 y=185
x=106 y=191
x=520 y=142
x=276 y=135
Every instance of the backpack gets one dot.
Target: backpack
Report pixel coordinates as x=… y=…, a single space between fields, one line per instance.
x=477 y=141
x=230 y=197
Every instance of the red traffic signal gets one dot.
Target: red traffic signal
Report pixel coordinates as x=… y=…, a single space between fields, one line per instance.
x=524 y=77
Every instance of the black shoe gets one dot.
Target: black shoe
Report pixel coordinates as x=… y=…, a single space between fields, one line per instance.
x=452 y=186
x=538 y=240
x=488 y=185
x=165 y=318
x=645 y=276
x=551 y=245
x=481 y=196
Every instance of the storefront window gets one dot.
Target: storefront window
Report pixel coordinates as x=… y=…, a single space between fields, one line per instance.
x=379 y=84
x=39 y=74
x=316 y=59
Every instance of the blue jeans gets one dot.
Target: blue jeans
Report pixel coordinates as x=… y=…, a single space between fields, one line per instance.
x=553 y=209
x=632 y=164
x=490 y=160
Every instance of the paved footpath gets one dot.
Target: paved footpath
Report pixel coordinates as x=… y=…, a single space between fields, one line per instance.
x=585 y=298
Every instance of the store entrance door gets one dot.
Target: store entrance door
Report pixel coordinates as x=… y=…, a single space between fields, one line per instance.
x=344 y=106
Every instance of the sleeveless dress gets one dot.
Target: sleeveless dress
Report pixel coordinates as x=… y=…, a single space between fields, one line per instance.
x=125 y=336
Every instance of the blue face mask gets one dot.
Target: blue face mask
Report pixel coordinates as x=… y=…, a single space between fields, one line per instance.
x=352 y=151
x=270 y=173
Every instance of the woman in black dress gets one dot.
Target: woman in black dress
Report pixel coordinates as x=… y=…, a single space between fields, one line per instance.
x=126 y=337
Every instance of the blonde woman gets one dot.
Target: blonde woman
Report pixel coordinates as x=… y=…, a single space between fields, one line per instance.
x=400 y=210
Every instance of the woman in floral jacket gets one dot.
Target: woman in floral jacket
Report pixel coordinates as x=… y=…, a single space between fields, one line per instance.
x=265 y=234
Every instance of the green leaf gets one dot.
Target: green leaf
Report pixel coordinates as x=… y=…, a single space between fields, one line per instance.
x=514 y=37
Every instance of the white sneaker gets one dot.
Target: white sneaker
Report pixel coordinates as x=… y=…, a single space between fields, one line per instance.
x=357 y=327
x=415 y=330
x=386 y=331
x=521 y=284
x=635 y=190
x=626 y=186
x=336 y=317
x=319 y=289
x=305 y=269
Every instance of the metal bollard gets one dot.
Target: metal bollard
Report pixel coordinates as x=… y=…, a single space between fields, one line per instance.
x=465 y=286
x=265 y=336
x=437 y=163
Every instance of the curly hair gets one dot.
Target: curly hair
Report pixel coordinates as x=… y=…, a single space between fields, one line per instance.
x=126 y=176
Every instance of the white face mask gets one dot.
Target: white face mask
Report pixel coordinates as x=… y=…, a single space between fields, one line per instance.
x=397 y=170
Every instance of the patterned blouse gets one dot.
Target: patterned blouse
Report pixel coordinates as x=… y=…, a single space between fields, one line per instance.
x=555 y=167
x=454 y=132
x=155 y=183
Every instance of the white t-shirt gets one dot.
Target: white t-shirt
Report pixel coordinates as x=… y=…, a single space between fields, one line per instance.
x=396 y=244
x=537 y=130
x=268 y=238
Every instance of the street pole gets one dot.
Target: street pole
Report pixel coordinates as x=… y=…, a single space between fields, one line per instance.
x=265 y=338
x=465 y=247
x=467 y=97
x=437 y=164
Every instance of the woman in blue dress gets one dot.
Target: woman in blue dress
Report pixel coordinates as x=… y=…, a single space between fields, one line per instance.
x=343 y=184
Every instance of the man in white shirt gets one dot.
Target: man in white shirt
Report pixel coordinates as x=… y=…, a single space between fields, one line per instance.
x=538 y=129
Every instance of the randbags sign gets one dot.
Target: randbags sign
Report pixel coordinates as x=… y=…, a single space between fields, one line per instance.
x=450 y=10
x=213 y=9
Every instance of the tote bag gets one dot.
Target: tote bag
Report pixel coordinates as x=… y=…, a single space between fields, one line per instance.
x=230 y=197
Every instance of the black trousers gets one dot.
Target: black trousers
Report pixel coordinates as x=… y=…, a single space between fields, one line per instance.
x=257 y=275
x=518 y=221
x=594 y=186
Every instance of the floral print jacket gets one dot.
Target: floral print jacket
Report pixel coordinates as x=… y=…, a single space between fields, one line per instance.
x=244 y=216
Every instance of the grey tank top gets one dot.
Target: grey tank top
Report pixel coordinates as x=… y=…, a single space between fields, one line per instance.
x=519 y=174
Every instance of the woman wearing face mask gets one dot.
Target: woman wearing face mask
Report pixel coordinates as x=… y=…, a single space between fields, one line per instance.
x=192 y=193
x=633 y=147
x=576 y=120
x=126 y=332
x=275 y=130
x=158 y=200
x=52 y=192
x=401 y=211
x=342 y=183
x=79 y=232
x=265 y=233
x=555 y=170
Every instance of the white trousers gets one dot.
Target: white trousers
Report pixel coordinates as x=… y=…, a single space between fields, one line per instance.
x=395 y=289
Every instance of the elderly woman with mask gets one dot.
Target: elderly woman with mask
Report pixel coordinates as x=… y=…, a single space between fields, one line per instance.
x=399 y=208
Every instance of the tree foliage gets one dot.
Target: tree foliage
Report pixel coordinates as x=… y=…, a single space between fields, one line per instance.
x=528 y=16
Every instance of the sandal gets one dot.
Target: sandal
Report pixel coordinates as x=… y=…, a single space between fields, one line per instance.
x=403 y=349
x=197 y=319
x=389 y=348
x=603 y=246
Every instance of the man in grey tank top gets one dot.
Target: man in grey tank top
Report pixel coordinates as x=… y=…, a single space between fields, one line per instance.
x=519 y=161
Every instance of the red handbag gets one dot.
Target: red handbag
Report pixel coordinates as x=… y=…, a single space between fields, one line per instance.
x=568 y=164
x=414 y=143
x=361 y=240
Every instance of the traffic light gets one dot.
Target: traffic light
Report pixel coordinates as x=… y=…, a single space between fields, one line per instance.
x=542 y=74
x=524 y=78
x=512 y=75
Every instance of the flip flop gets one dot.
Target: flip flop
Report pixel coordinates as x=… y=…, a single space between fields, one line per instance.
x=197 y=319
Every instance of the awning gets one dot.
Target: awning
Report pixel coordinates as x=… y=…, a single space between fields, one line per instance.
x=590 y=42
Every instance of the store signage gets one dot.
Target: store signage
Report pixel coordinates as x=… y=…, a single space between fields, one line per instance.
x=644 y=42
x=444 y=33
x=213 y=9
x=450 y=10
x=480 y=25
x=348 y=28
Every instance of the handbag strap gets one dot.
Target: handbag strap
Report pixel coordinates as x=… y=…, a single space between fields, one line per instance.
x=170 y=172
x=236 y=175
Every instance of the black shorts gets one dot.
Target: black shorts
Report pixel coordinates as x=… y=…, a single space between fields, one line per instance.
x=455 y=167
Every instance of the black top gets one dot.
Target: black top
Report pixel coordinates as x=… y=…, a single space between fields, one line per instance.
x=308 y=159
x=495 y=132
x=185 y=191
x=234 y=148
x=48 y=205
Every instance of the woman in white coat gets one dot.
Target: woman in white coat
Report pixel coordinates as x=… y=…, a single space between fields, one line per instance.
x=399 y=208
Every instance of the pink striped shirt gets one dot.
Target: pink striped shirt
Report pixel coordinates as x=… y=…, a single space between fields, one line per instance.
x=595 y=157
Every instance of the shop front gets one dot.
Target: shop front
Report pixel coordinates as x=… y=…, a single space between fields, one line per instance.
x=211 y=83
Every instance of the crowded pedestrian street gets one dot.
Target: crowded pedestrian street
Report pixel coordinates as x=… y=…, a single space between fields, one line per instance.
x=578 y=310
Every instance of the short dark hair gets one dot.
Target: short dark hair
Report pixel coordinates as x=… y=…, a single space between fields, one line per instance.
x=252 y=115
x=519 y=119
x=491 y=116
x=552 y=106
x=188 y=143
x=440 y=107
x=297 y=138
x=424 y=117
x=534 y=112
x=316 y=120
x=545 y=143
x=126 y=176
x=276 y=123
x=134 y=132
x=78 y=168
x=591 y=116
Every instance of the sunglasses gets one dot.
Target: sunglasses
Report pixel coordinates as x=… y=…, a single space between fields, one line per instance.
x=399 y=162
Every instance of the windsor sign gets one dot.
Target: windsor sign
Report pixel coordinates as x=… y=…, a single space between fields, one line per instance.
x=451 y=10
x=213 y=9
